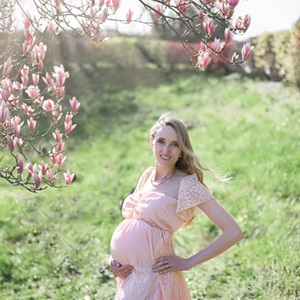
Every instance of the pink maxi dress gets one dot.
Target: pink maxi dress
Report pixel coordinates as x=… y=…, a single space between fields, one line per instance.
x=146 y=233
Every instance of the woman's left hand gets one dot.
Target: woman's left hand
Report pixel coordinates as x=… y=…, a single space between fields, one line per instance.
x=165 y=264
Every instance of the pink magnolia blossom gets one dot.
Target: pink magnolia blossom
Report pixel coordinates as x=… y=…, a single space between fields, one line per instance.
x=234 y=58
x=33 y=57
x=59 y=90
x=69 y=177
x=57 y=2
x=60 y=146
x=101 y=3
x=57 y=158
x=57 y=113
x=24 y=75
x=57 y=136
x=40 y=65
x=11 y=143
x=92 y=13
x=53 y=157
x=17 y=86
x=103 y=36
x=30 y=169
x=60 y=72
x=20 y=166
x=227 y=35
x=52 y=28
x=203 y=47
x=104 y=15
x=226 y=10
x=9 y=124
x=5 y=93
x=68 y=118
x=129 y=15
x=217 y=45
x=74 y=104
x=246 y=51
x=33 y=91
x=43 y=167
x=25 y=71
x=158 y=11
x=26 y=21
x=201 y=16
x=37 y=177
x=3 y=112
x=232 y=3
x=35 y=79
x=7 y=67
x=247 y=22
x=209 y=26
x=25 y=47
x=243 y=23
x=116 y=4
x=31 y=124
x=29 y=37
x=28 y=109
x=39 y=99
x=19 y=142
x=69 y=127
x=40 y=51
x=48 y=105
x=14 y=102
x=49 y=175
x=203 y=60
x=183 y=8
x=17 y=125
x=47 y=79
x=10 y=21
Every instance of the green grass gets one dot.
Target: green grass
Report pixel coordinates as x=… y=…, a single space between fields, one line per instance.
x=54 y=245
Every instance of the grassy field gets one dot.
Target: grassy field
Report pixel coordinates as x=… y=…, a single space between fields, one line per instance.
x=55 y=245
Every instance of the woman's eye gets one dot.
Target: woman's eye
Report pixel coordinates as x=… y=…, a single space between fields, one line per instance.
x=175 y=145
x=160 y=141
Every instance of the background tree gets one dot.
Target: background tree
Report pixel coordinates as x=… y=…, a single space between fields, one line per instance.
x=35 y=116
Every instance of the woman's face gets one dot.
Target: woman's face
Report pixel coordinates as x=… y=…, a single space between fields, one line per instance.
x=165 y=146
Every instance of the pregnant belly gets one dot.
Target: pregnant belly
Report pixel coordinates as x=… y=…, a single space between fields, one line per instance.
x=137 y=243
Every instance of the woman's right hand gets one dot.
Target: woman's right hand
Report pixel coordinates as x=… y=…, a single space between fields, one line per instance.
x=119 y=270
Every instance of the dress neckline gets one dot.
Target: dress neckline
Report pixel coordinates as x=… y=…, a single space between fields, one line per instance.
x=147 y=175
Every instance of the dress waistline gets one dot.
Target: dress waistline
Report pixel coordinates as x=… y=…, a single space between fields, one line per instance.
x=155 y=226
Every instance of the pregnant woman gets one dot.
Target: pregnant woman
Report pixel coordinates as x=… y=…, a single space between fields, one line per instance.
x=166 y=198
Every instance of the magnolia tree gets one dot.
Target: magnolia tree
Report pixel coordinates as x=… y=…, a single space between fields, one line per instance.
x=35 y=117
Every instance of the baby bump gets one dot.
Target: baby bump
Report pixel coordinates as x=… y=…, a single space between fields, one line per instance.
x=137 y=243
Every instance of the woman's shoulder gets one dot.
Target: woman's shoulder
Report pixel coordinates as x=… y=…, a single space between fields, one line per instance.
x=144 y=176
x=190 y=181
x=186 y=177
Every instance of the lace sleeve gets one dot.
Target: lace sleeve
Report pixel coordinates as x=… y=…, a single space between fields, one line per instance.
x=191 y=193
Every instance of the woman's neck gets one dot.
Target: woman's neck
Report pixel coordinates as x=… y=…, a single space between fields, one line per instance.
x=162 y=173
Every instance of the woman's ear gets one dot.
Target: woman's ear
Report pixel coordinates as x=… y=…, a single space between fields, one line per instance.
x=151 y=142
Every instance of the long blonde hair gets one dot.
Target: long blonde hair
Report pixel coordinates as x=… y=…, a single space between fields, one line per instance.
x=188 y=162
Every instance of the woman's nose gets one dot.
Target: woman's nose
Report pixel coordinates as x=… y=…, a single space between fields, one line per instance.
x=166 y=149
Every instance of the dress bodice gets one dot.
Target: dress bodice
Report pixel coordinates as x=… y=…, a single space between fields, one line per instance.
x=164 y=211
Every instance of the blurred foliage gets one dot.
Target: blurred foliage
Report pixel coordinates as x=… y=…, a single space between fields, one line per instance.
x=277 y=55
